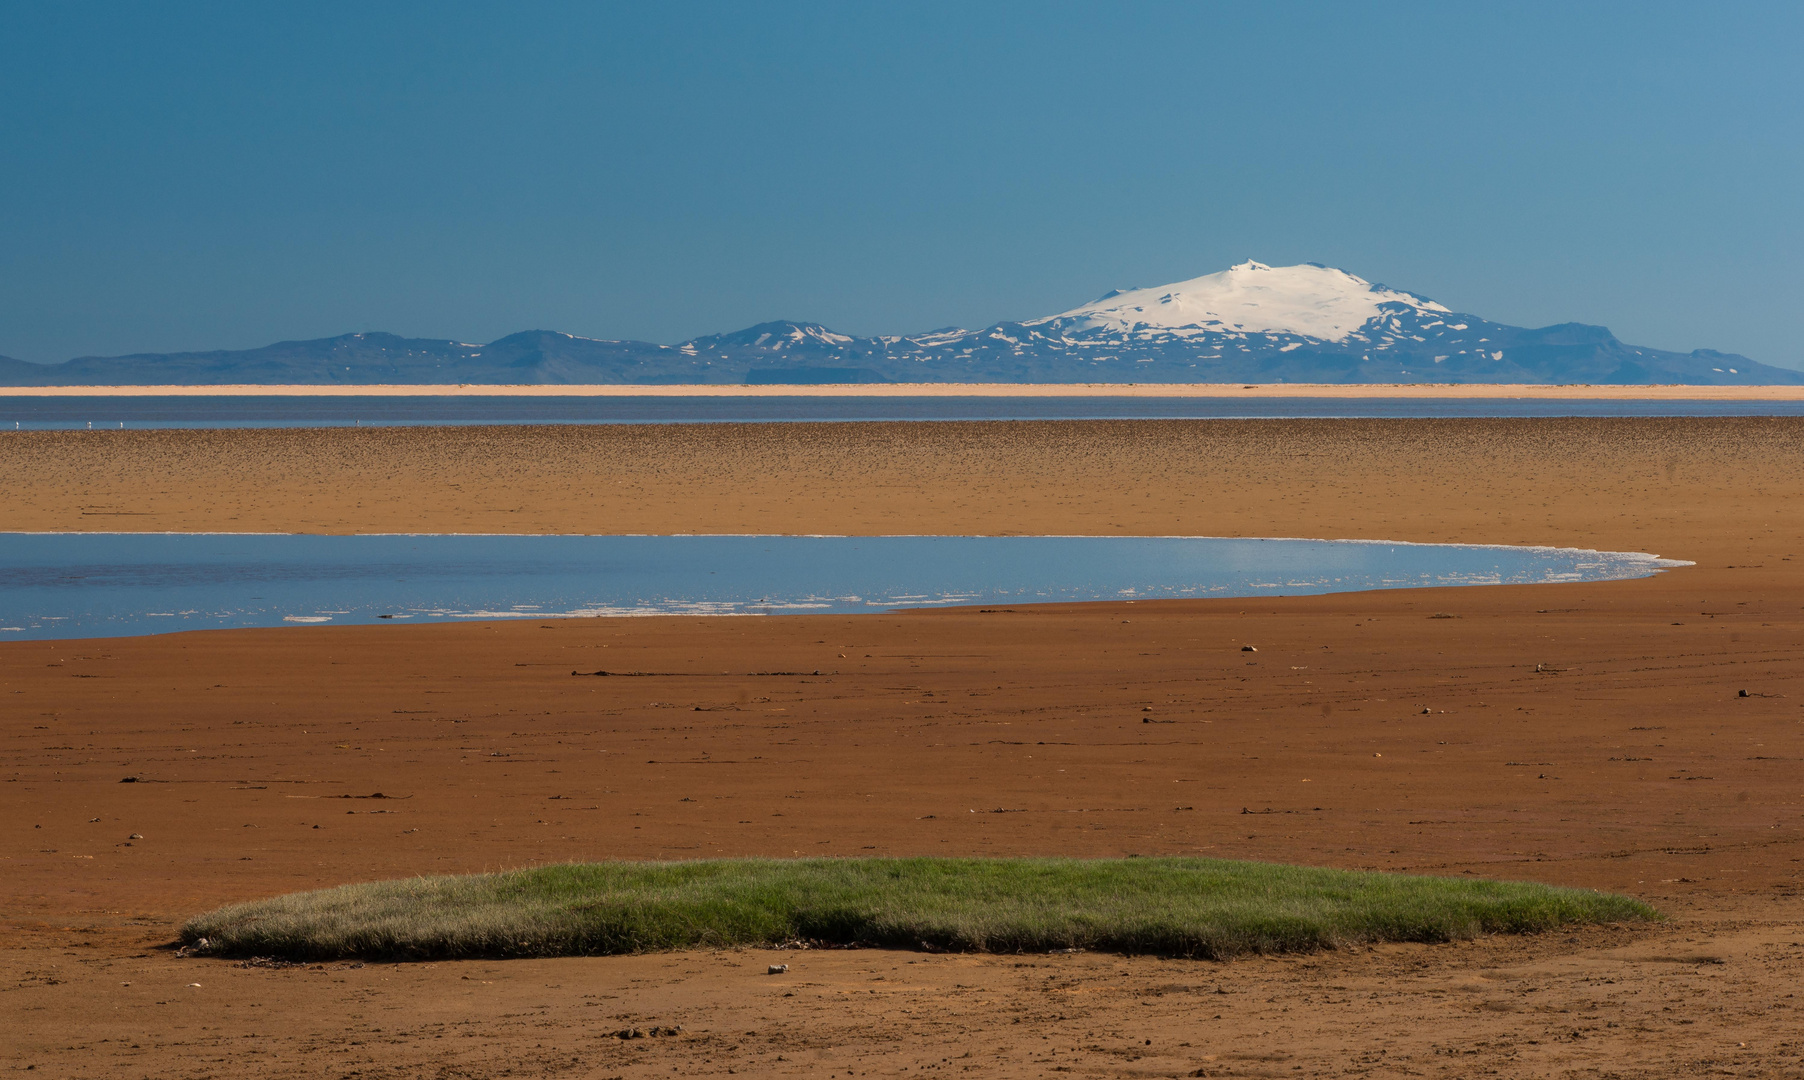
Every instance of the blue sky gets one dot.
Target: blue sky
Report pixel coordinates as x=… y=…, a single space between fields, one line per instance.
x=182 y=176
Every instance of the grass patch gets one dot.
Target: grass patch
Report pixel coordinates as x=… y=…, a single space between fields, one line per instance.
x=1208 y=908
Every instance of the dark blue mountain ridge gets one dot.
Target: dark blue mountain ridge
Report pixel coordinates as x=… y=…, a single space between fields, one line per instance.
x=1249 y=324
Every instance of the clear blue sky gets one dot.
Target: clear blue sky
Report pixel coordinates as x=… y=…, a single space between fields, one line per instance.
x=180 y=176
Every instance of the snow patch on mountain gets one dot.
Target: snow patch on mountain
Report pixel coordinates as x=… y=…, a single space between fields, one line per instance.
x=1309 y=300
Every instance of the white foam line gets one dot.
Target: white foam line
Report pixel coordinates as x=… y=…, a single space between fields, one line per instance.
x=1456 y=391
x=909 y=536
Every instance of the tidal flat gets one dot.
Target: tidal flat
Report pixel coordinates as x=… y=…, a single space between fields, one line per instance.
x=1593 y=735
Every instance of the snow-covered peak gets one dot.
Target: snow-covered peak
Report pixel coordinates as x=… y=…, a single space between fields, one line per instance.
x=1307 y=300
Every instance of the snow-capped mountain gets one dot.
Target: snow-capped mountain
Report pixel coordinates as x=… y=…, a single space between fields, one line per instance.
x=1308 y=323
x=1308 y=301
x=1251 y=323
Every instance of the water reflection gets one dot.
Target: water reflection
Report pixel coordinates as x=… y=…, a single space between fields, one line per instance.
x=112 y=584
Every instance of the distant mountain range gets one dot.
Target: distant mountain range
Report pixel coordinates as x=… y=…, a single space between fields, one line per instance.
x=1249 y=324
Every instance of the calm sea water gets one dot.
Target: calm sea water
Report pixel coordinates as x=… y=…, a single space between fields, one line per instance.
x=31 y=413
x=74 y=585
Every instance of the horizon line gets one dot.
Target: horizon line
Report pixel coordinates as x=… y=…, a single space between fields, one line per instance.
x=1475 y=391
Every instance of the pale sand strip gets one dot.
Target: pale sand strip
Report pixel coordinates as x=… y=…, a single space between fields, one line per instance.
x=1572 y=392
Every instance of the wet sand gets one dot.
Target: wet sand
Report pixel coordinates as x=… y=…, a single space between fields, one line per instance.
x=1592 y=735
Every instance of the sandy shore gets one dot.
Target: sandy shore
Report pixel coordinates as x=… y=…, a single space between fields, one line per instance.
x=1446 y=391
x=1582 y=734
x=1698 y=489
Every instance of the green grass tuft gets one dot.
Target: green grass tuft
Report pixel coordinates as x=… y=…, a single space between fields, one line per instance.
x=1207 y=908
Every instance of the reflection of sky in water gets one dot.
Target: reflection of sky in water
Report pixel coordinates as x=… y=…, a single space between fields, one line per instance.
x=110 y=584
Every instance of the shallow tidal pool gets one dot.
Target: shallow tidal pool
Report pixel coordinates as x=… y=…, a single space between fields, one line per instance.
x=74 y=585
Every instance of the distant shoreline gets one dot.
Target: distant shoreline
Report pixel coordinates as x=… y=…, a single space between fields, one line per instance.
x=1668 y=392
